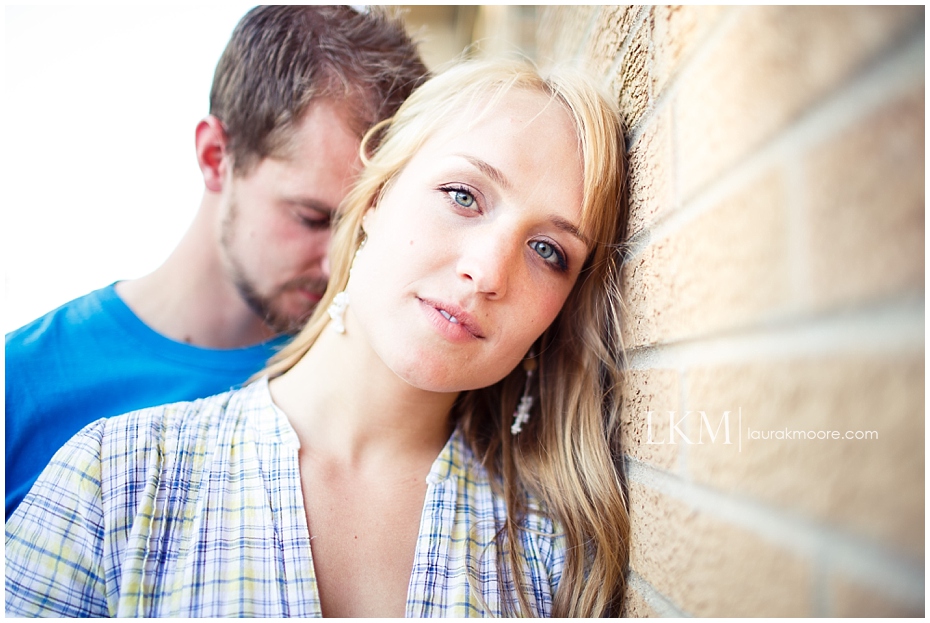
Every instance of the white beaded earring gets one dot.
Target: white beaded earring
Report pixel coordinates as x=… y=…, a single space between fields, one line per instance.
x=522 y=415
x=337 y=309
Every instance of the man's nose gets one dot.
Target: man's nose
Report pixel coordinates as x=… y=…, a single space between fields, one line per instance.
x=324 y=266
x=321 y=253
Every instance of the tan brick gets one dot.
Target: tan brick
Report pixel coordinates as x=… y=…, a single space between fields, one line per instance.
x=710 y=568
x=610 y=30
x=651 y=183
x=676 y=32
x=547 y=32
x=873 y=487
x=635 y=605
x=852 y=599
x=649 y=390
x=770 y=65
x=561 y=32
x=866 y=206
x=725 y=269
x=632 y=86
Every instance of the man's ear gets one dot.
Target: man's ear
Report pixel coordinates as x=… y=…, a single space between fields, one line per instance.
x=211 y=152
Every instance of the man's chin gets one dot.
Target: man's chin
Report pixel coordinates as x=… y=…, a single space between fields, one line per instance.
x=287 y=311
x=290 y=321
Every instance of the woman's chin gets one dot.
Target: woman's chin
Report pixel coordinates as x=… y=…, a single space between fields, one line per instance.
x=441 y=377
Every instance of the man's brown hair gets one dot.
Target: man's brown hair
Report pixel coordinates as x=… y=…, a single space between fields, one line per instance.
x=281 y=58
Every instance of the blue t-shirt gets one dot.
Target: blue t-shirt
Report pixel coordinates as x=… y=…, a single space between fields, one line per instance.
x=94 y=358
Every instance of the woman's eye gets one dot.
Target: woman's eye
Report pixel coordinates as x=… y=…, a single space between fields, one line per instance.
x=549 y=253
x=544 y=249
x=462 y=198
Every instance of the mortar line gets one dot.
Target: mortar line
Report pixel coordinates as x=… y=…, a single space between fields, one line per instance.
x=588 y=32
x=683 y=452
x=617 y=61
x=893 y=326
x=820 y=593
x=854 y=556
x=663 y=605
x=898 y=72
x=714 y=33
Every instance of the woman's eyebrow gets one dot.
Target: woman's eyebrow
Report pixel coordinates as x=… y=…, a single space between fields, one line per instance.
x=569 y=228
x=491 y=171
x=501 y=180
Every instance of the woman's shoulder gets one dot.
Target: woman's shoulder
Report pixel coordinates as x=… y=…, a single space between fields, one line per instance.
x=176 y=425
x=123 y=452
x=468 y=502
x=458 y=460
x=128 y=477
x=111 y=462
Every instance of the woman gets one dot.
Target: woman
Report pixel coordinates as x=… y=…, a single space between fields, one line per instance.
x=442 y=437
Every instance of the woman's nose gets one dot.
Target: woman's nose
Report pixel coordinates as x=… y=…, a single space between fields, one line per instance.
x=487 y=260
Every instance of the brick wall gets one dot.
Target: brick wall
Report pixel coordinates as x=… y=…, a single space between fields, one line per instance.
x=775 y=271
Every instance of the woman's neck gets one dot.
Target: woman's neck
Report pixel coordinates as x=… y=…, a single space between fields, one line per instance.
x=345 y=403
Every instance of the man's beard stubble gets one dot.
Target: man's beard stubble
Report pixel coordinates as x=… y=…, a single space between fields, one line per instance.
x=261 y=305
x=264 y=306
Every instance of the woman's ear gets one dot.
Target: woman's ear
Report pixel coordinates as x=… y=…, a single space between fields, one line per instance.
x=371 y=212
x=370 y=217
x=210 y=140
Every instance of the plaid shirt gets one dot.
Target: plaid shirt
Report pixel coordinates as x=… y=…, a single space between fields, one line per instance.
x=195 y=509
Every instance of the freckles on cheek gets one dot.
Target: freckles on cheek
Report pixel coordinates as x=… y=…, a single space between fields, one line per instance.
x=548 y=308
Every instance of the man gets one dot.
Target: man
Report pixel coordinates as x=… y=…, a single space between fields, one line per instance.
x=293 y=93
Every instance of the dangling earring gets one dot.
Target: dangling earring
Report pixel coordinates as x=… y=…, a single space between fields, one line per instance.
x=337 y=310
x=522 y=415
x=358 y=251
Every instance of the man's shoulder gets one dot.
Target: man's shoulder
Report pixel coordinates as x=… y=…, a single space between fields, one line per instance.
x=99 y=332
x=80 y=312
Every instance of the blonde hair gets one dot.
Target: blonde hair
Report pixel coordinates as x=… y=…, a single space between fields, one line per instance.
x=568 y=455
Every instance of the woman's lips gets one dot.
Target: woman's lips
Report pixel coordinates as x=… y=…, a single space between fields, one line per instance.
x=452 y=320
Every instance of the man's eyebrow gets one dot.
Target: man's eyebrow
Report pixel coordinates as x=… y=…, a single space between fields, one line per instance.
x=313 y=204
x=491 y=171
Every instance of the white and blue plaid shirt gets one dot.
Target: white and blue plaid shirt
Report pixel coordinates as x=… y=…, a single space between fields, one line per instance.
x=195 y=509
